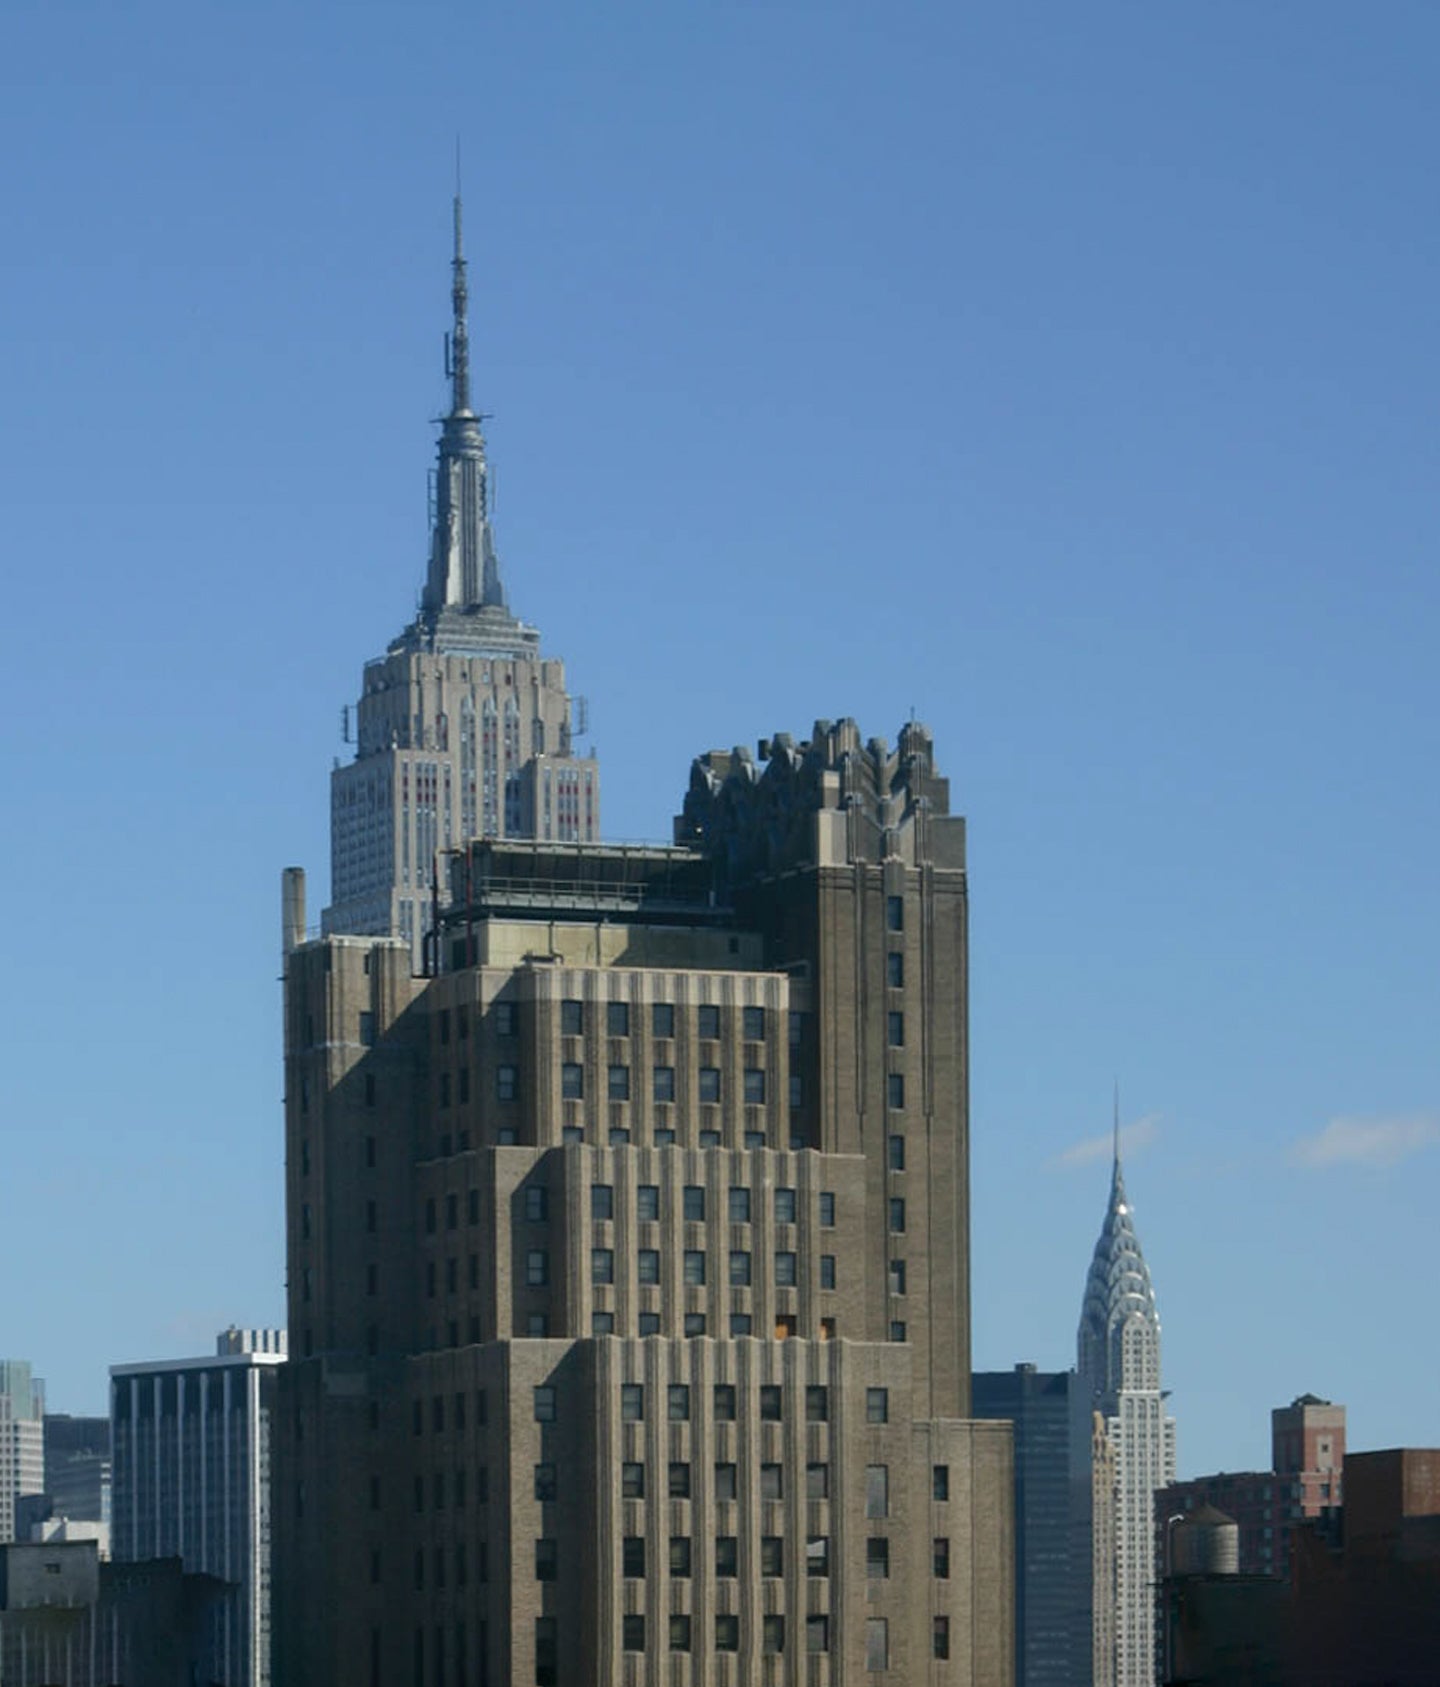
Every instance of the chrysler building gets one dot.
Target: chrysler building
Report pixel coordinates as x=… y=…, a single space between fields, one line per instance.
x=463 y=728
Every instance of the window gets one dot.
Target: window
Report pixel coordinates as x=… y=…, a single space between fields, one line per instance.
x=572 y=1081
x=694 y=1203
x=896 y=1154
x=724 y=1402
x=602 y=1265
x=940 y=1482
x=648 y=1265
x=817 y=1633
x=739 y=1269
x=709 y=1083
x=817 y=1555
x=679 y=1555
x=877 y=1405
x=754 y=1085
x=632 y=1555
x=537 y=1203
x=709 y=1139
x=572 y=1018
x=545 y=1560
x=617 y=1019
x=602 y=1201
x=877 y=1490
x=507 y=1083
x=752 y=1024
x=895 y=969
x=544 y=1405
x=632 y=1402
x=662 y=1019
x=772 y=1633
x=618 y=1083
x=877 y=1644
x=727 y=1556
x=632 y=1633
x=547 y=1652
x=895 y=1090
x=725 y=1482
x=877 y=1558
x=632 y=1481
x=647 y=1201
x=739 y=1205
x=679 y=1483
x=940 y=1556
x=786 y=1270
x=897 y=1216
x=895 y=1030
x=827 y=1210
x=694 y=1324
x=537 y=1268
x=895 y=913
x=898 y=1331
x=770 y=1402
x=694 y=1265
x=472 y=1207
x=772 y=1482
x=707 y=1021
x=545 y=1483
x=784 y=1206
x=940 y=1637
x=602 y=1323
x=649 y=1323
x=827 y=1271
x=741 y=1324
x=897 y=1276
x=677 y=1402
x=817 y=1481
x=663 y=1083
x=679 y=1632
x=727 y=1632
x=817 y=1404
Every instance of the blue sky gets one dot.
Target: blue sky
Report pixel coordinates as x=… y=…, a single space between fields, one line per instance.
x=1066 y=374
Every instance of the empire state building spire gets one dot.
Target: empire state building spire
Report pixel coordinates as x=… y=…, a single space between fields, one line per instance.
x=464 y=607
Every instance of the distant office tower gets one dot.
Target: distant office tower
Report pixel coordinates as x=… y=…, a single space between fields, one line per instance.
x=22 y=1439
x=1119 y=1363
x=463 y=728
x=191 y=1441
x=1304 y=1484
x=77 y=1467
x=1050 y=1411
x=629 y=1260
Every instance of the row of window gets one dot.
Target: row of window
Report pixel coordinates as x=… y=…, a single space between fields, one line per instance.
x=662 y=1021
x=680 y=1631
x=772 y=1556
x=738 y=1206
x=662 y=1084
x=693 y=1267
x=724 y=1403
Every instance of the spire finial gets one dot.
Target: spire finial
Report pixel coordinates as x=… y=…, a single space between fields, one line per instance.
x=460 y=299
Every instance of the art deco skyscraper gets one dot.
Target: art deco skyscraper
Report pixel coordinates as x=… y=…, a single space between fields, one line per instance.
x=629 y=1260
x=463 y=728
x=1119 y=1360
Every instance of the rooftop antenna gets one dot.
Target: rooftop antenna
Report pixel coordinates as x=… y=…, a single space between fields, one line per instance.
x=1117 y=1121
x=459 y=359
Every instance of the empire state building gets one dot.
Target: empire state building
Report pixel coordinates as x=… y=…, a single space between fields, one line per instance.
x=464 y=728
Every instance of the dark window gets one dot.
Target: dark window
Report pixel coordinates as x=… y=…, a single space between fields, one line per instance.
x=940 y=1482
x=895 y=969
x=679 y=1633
x=647 y=1269
x=537 y=1268
x=940 y=1637
x=618 y=1083
x=817 y=1555
x=895 y=1030
x=602 y=1323
x=663 y=1083
x=632 y=1555
x=895 y=1090
x=694 y=1324
x=817 y=1481
x=770 y=1403
x=827 y=1271
x=877 y=1645
x=795 y=1027
x=786 y=1270
x=544 y=1483
x=741 y=1324
x=632 y=1481
x=727 y=1633
x=602 y=1201
x=632 y=1633
x=817 y=1634
x=507 y=1083
x=677 y=1402
x=707 y=1021
x=537 y=1203
x=602 y=1265
x=679 y=1486
x=753 y=1024
x=709 y=1083
x=694 y=1265
x=572 y=1081
x=827 y=1210
x=572 y=1018
x=897 y=1276
x=784 y=1206
x=897 y=1216
x=647 y=1201
x=662 y=1019
x=617 y=1019
x=544 y=1405
x=898 y=1330
x=679 y=1555
x=724 y=1402
x=877 y=1405
x=505 y=1019
x=754 y=1085
x=817 y=1404
x=877 y=1490
x=941 y=1557
x=632 y=1402
x=694 y=1208
x=896 y=1148
x=797 y=1089
x=726 y=1484
x=772 y=1630
x=740 y=1268
x=545 y=1560
x=739 y=1205
x=895 y=913
x=727 y=1555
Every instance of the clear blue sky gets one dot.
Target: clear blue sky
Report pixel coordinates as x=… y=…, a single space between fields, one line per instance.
x=1067 y=373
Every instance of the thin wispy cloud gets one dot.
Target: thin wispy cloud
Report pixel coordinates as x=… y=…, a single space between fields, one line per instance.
x=1132 y=1138
x=1383 y=1140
